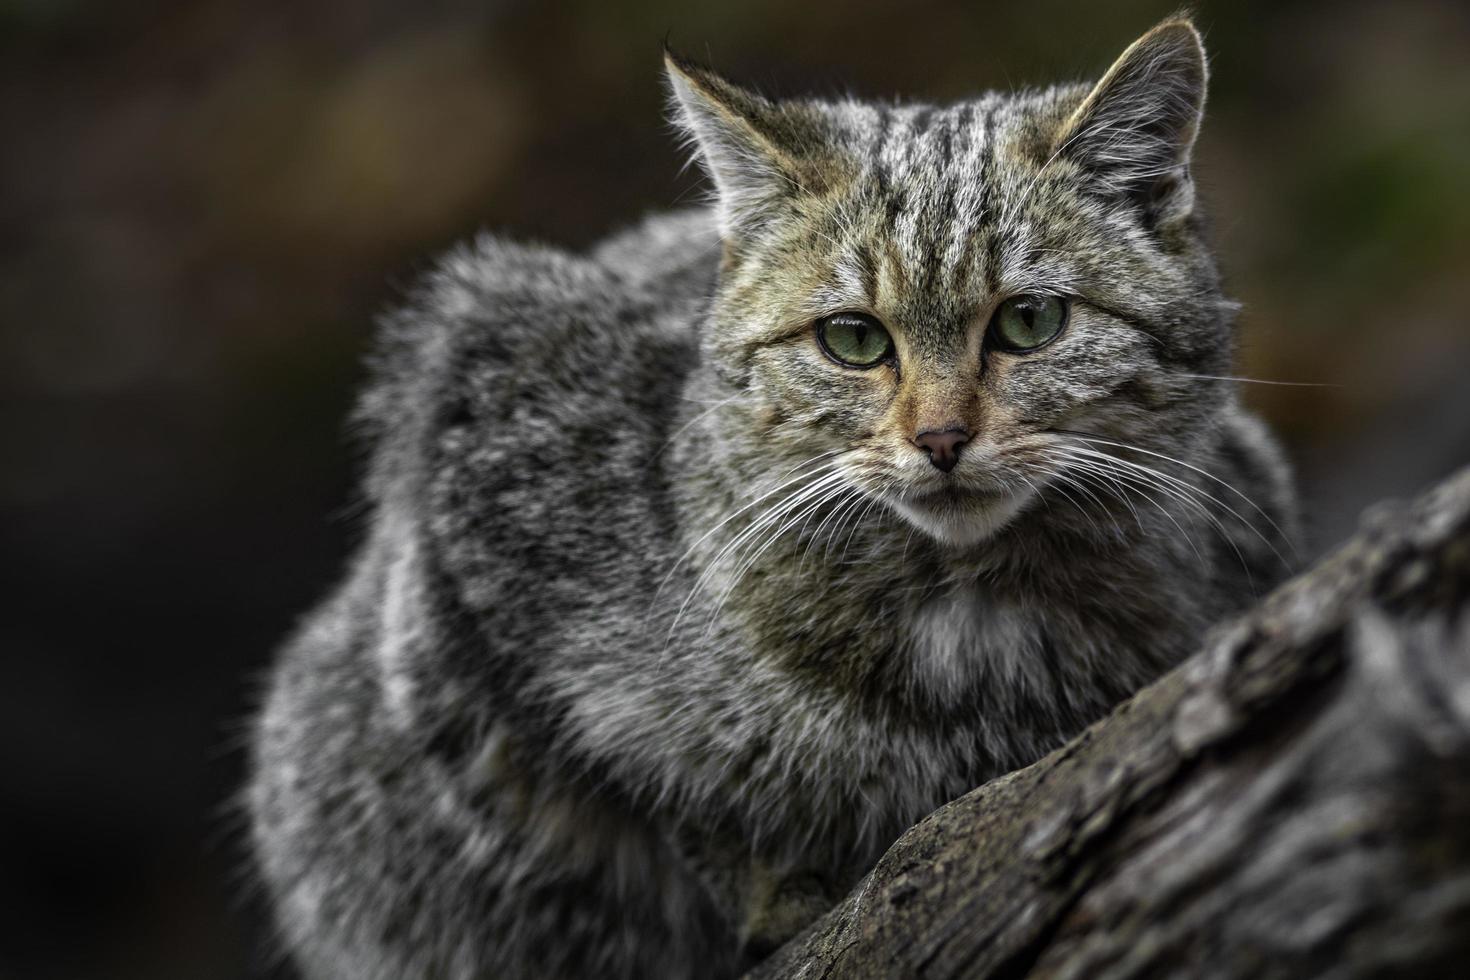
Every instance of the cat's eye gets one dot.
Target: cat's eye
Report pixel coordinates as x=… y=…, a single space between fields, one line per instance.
x=854 y=339
x=1024 y=323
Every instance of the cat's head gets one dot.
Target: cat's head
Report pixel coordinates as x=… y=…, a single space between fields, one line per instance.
x=928 y=297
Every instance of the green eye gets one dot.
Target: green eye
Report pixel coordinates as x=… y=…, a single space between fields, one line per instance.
x=1024 y=323
x=854 y=339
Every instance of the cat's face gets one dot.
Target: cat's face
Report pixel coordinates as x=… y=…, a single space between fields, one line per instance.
x=926 y=299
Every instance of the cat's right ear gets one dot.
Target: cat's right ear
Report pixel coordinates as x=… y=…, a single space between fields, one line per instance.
x=752 y=148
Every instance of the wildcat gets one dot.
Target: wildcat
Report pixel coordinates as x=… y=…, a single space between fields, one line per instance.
x=703 y=565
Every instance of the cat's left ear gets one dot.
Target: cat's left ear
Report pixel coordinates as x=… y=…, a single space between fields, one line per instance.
x=1136 y=129
x=759 y=153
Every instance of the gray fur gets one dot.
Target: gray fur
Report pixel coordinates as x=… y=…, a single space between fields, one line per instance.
x=550 y=726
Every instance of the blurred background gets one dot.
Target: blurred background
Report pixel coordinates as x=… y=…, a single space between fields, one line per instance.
x=202 y=205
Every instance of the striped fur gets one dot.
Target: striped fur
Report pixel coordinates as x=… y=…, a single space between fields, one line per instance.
x=665 y=627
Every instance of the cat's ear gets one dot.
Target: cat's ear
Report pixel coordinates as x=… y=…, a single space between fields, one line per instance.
x=1135 y=131
x=755 y=150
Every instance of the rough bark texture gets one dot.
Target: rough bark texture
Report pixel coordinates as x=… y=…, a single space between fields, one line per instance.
x=1293 y=801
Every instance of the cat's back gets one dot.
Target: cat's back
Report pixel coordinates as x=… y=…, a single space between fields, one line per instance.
x=524 y=395
x=495 y=318
x=519 y=401
x=1257 y=507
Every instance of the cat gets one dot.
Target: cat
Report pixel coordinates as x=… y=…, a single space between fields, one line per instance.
x=701 y=566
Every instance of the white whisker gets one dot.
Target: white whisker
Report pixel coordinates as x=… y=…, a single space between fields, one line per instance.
x=1209 y=476
x=856 y=524
x=736 y=513
x=1258 y=381
x=817 y=479
x=1138 y=485
x=810 y=504
x=1182 y=491
x=692 y=422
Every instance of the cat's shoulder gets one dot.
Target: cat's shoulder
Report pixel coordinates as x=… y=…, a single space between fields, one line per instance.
x=1253 y=479
x=517 y=290
x=1256 y=461
x=494 y=314
x=675 y=252
x=510 y=359
x=664 y=259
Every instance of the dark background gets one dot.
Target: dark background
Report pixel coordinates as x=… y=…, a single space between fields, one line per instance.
x=203 y=204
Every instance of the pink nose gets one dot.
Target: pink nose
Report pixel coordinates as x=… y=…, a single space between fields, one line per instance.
x=943 y=445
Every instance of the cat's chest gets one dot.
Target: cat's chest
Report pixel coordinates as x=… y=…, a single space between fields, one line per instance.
x=953 y=643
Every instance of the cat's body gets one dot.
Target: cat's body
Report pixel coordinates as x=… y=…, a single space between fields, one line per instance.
x=583 y=707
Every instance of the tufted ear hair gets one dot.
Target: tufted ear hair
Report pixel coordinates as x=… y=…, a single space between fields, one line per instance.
x=1135 y=131
x=759 y=153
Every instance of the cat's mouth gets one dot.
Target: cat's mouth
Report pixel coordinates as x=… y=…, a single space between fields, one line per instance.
x=960 y=515
x=950 y=496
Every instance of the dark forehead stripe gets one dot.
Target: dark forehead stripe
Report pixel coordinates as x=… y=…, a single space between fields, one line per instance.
x=931 y=173
x=895 y=200
x=939 y=218
x=959 y=124
x=976 y=169
x=880 y=152
x=921 y=120
x=938 y=163
x=968 y=226
x=868 y=270
x=987 y=194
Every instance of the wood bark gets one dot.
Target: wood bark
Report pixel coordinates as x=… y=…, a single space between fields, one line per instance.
x=1292 y=801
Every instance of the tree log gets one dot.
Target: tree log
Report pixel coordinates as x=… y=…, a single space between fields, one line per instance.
x=1292 y=801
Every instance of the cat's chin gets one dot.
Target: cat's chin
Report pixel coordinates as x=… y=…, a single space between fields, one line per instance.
x=961 y=520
